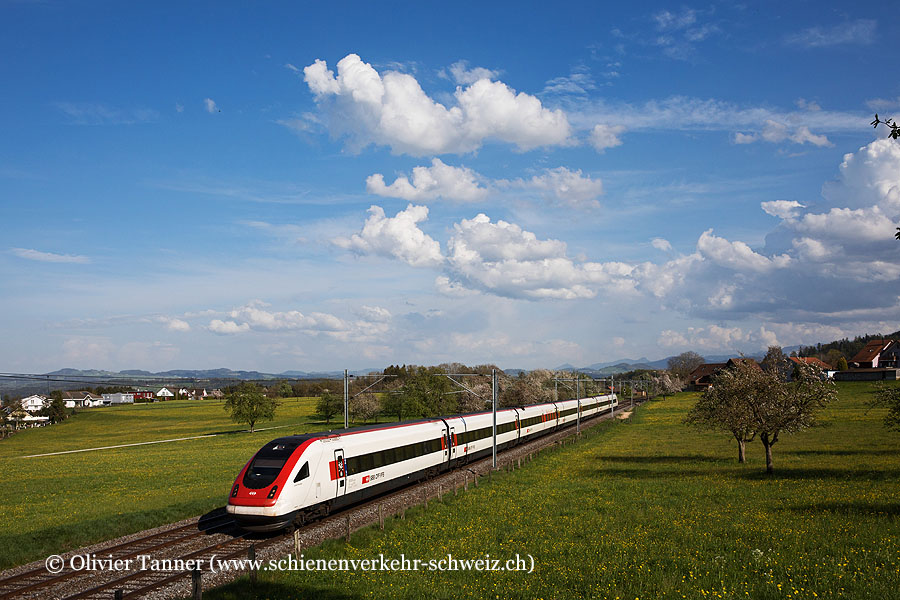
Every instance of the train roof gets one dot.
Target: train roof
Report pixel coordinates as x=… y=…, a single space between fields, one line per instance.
x=299 y=438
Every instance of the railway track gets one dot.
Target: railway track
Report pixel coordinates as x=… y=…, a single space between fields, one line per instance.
x=217 y=535
x=38 y=580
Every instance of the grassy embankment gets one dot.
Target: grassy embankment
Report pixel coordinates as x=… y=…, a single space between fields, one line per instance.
x=653 y=509
x=55 y=503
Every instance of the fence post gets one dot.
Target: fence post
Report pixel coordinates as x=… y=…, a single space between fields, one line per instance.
x=251 y=554
x=348 y=527
x=297 y=543
x=196 y=584
x=381 y=515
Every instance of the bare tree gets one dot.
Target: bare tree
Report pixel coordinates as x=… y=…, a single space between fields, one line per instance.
x=477 y=401
x=364 y=406
x=527 y=389
x=777 y=363
x=685 y=363
x=666 y=383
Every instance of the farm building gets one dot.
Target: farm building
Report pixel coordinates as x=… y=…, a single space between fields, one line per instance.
x=164 y=394
x=811 y=360
x=877 y=354
x=118 y=398
x=700 y=377
x=81 y=399
x=877 y=374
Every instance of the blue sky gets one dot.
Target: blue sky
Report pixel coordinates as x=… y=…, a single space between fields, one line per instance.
x=281 y=186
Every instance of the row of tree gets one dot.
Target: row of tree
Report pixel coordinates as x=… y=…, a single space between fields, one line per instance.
x=412 y=391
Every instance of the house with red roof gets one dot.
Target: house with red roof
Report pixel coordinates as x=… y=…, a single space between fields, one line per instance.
x=877 y=354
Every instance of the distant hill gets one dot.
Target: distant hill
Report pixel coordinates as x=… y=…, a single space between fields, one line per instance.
x=625 y=365
x=200 y=374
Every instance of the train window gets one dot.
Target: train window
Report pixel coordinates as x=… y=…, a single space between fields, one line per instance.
x=367 y=462
x=303 y=473
x=267 y=464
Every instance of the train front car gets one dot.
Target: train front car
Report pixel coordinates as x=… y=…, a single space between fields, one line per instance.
x=262 y=499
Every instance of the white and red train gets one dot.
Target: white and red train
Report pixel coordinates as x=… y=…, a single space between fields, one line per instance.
x=296 y=478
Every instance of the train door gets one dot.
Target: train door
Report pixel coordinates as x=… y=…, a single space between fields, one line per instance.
x=340 y=469
x=518 y=428
x=452 y=440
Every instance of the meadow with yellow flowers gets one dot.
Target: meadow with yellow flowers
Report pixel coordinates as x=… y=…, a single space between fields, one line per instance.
x=650 y=508
x=55 y=503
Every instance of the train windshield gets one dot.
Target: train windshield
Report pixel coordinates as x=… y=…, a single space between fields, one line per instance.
x=268 y=463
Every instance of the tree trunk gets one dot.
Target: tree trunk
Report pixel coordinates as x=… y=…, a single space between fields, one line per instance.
x=741 y=456
x=767 y=444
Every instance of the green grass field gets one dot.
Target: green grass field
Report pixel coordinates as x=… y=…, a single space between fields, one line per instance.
x=652 y=509
x=55 y=503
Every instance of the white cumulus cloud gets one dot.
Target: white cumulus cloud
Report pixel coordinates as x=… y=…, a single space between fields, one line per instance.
x=503 y=259
x=430 y=183
x=227 y=327
x=568 y=187
x=661 y=244
x=783 y=209
x=464 y=75
x=606 y=136
x=173 y=324
x=737 y=255
x=392 y=109
x=396 y=237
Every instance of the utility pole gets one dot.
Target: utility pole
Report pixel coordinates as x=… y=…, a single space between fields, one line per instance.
x=346 y=399
x=494 y=395
x=578 y=399
x=612 y=405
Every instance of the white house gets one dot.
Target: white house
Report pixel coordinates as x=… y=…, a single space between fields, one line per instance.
x=80 y=399
x=164 y=394
x=20 y=419
x=118 y=398
x=34 y=403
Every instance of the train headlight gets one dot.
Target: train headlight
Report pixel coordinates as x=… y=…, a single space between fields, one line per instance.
x=234 y=490
x=272 y=492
